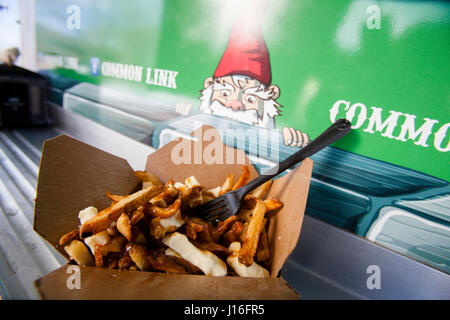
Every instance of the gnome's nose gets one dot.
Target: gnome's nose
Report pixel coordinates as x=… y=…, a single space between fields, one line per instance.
x=236 y=105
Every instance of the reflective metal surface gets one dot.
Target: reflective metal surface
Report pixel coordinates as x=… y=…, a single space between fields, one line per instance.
x=24 y=255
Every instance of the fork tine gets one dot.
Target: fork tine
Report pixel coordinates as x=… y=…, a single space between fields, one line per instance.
x=221 y=214
x=212 y=205
x=209 y=211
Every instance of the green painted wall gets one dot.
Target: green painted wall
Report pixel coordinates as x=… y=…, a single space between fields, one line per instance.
x=392 y=55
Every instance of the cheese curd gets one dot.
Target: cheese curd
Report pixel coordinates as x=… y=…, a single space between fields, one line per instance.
x=192 y=182
x=87 y=213
x=215 y=191
x=173 y=253
x=174 y=221
x=100 y=238
x=205 y=260
x=254 y=270
x=180 y=187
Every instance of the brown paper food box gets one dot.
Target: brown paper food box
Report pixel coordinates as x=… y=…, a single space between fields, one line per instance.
x=74 y=175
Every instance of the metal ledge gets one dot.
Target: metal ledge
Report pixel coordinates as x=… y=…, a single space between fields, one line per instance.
x=331 y=263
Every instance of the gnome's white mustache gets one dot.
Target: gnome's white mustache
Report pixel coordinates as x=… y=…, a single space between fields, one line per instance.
x=247 y=116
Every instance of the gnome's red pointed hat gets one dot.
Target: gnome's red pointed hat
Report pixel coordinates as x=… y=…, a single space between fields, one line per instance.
x=246 y=52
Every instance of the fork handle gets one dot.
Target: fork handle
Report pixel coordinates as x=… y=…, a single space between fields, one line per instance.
x=336 y=131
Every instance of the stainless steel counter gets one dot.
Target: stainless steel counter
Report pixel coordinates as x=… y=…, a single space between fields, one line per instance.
x=328 y=263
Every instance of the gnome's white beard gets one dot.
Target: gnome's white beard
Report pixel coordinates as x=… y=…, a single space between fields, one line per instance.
x=245 y=116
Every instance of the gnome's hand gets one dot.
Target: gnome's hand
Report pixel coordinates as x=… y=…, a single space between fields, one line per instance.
x=295 y=138
x=183 y=109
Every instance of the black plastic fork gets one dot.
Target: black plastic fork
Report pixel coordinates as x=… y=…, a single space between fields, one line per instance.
x=229 y=203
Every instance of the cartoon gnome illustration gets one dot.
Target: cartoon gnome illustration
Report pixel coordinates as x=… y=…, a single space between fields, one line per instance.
x=241 y=87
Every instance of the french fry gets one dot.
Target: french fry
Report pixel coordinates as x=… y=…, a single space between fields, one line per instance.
x=247 y=207
x=125 y=262
x=233 y=235
x=161 y=262
x=263 y=251
x=137 y=215
x=98 y=257
x=243 y=179
x=68 y=237
x=108 y=246
x=128 y=204
x=272 y=205
x=112 y=231
x=124 y=226
x=106 y=257
x=139 y=255
x=138 y=236
x=190 y=231
x=164 y=213
x=116 y=245
x=148 y=179
x=262 y=190
x=190 y=268
x=111 y=261
x=202 y=229
x=197 y=224
x=114 y=198
x=157 y=231
x=228 y=184
x=252 y=234
x=206 y=234
x=166 y=197
x=244 y=229
x=78 y=252
x=188 y=194
x=215 y=248
x=223 y=227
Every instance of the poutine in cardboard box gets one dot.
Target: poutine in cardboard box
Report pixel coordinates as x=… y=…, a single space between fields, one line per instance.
x=74 y=175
